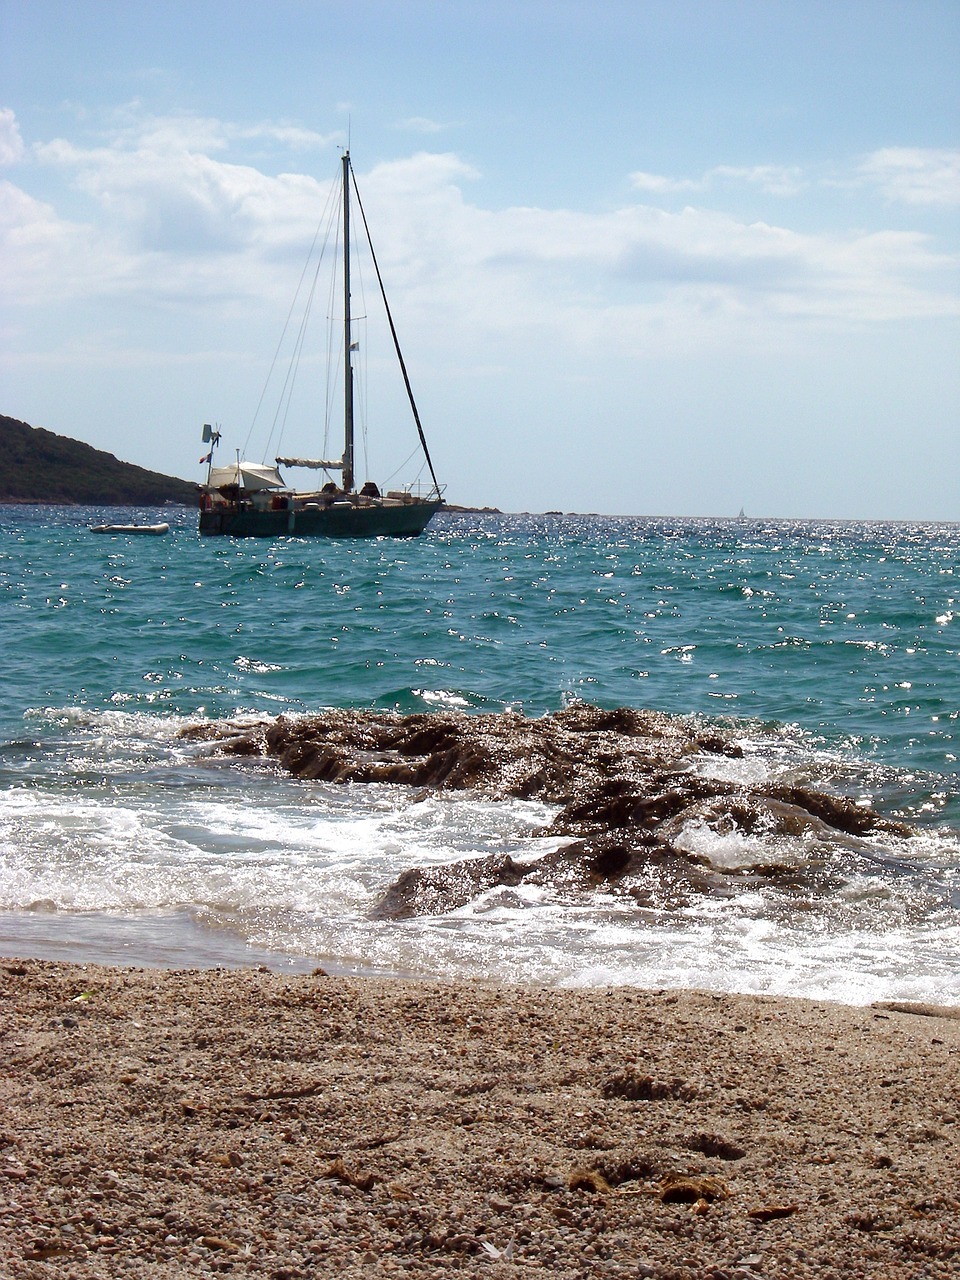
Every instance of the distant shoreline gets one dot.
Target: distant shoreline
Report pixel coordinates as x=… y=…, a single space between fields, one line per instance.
x=460 y=509
x=70 y=502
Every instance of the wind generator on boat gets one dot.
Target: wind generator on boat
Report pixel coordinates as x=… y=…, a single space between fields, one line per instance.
x=250 y=499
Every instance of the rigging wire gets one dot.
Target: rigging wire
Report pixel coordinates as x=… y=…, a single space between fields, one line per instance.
x=324 y=222
x=334 y=342
x=362 y=384
x=329 y=230
x=286 y=393
x=396 y=342
x=399 y=470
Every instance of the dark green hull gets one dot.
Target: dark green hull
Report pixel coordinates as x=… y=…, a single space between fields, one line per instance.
x=404 y=520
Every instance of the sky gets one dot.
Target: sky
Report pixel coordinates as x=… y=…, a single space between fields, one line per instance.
x=645 y=257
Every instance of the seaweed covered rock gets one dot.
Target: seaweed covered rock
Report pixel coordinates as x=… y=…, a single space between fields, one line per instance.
x=634 y=810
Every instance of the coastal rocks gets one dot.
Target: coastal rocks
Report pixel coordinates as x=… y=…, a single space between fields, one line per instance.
x=558 y=758
x=423 y=891
x=636 y=809
x=572 y=870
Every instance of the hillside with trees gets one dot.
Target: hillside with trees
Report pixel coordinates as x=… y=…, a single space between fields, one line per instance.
x=40 y=466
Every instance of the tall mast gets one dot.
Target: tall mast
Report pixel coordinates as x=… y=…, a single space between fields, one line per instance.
x=347 y=365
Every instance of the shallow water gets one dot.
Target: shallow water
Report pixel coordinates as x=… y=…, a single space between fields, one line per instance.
x=831 y=649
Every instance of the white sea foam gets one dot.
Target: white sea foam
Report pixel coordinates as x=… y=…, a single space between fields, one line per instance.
x=743 y=771
x=735 y=850
x=124 y=821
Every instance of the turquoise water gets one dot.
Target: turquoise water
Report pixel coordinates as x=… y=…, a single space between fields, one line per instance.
x=831 y=647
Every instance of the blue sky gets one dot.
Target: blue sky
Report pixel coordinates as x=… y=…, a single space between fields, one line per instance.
x=675 y=257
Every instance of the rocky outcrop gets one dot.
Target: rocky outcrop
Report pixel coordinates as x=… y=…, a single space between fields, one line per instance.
x=564 y=758
x=625 y=783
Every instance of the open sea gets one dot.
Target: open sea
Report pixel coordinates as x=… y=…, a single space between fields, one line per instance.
x=832 y=650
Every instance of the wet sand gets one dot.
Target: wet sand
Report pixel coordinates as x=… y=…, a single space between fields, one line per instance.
x=240 y=1121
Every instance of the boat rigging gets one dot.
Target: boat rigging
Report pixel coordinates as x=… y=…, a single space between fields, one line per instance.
x=249 y=499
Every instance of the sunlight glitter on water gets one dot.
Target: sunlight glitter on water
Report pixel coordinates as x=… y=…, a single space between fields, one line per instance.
x=834 y=644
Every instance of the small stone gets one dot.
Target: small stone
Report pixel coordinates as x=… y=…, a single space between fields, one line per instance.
x=218 y=1242
x=767 y=1213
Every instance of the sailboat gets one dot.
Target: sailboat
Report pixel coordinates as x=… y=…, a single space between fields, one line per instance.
x=252 y=499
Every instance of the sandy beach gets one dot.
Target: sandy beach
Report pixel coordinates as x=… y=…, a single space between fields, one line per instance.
x=261 y=1124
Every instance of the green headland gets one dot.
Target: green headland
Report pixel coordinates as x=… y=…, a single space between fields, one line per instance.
x=40 y=466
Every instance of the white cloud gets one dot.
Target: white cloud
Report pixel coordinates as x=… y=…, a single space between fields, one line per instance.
x=11 y=144
x=421 y=124
x=646 y=261
x=162 y=189
x=289 y=135
x=915 y=175
x=45 y=259
x=777 y=180
x=658 y=184
x=132 y=130
x=171 y=220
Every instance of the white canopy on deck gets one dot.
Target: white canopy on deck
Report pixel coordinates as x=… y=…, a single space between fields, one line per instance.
x=248 y=475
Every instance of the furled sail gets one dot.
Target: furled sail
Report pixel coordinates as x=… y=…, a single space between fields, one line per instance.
x=317 y=464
